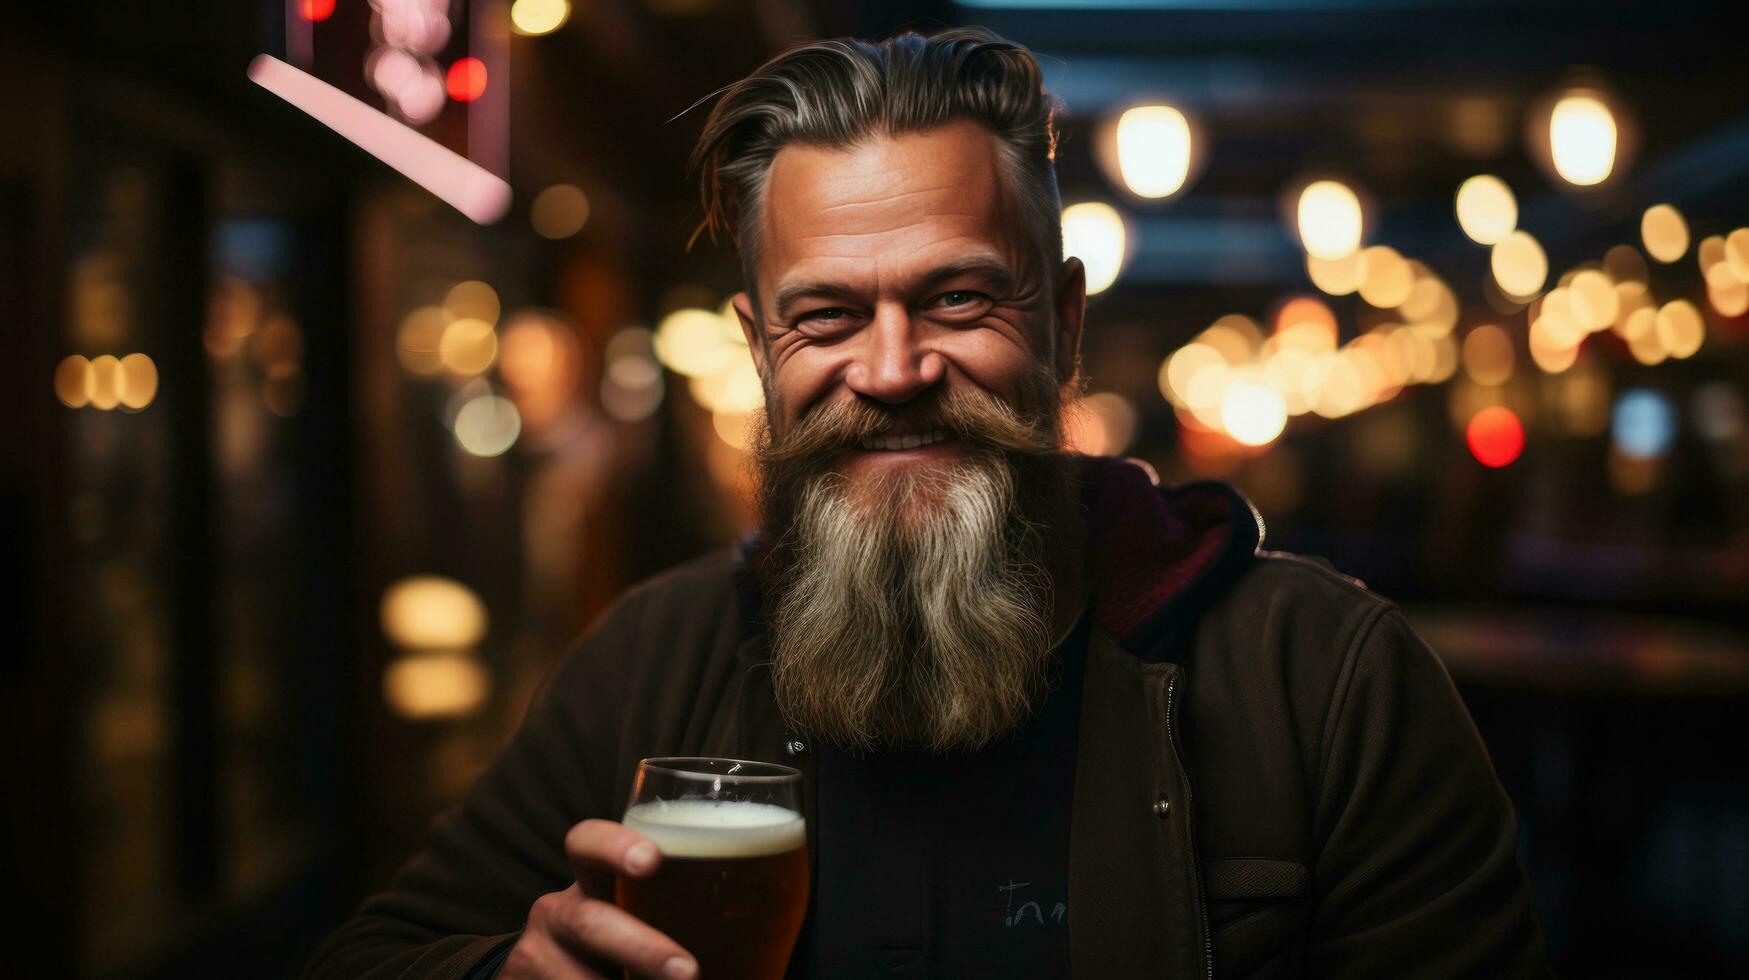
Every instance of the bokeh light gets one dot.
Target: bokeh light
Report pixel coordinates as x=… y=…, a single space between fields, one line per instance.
x=1664 y=232
x=1153 y=150
x=468 y=346
x=431 y=687
x=487 y=425
x=1094 y=232
x=431 y=612
x=1495 y=436
x=1253 y=413
x=417 y=341
x=72 y=379
x=537 y=17
x=103 y=382
x=631 y=386
x=694 y=342
x=1737 y=253
x=1643 y=424
x=472 y=299
x=1488 y=355
x=1329 y=219
x=466 y=79
x=1486 y=209
x=139 y=381
x=315 y=11
x=1387 y=279
x=1336 y=277
x=1680 y=328
x=559 y=212
x=1519 y=265
x=1582 y=139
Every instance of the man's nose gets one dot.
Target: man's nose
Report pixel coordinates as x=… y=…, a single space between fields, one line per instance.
x=894 y=365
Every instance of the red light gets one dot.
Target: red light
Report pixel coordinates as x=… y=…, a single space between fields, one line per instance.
x=316 y=11
x=467 y=79
x=1495 y=436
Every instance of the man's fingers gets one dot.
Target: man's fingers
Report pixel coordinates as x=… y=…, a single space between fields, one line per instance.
x=595 y=928
x=596 y=846
x=538 y=956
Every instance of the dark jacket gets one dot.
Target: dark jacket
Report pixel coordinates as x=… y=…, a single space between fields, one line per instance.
x=1275 y=776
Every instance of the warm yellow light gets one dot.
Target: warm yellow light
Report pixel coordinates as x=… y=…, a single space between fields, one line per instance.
x=1645 y=342
x=1664 y=233
x=487 y=426
x=1117 y=420
x=103 y=382
x=433 y=686
x=1337 y=277
x=1253 y=413
x=139 y=381
x=1737 y=253
x=1094 y=232
x=468 y=346
x=1153 y=150
x=1329 y=219
x=1728 y=294
x=1520 y=267
x=1710 y=252
x=558 y=212
x=1594 y=300
x=734 y=428
x=1486 y=209
x=1237 y=337
x=417 y=340
x=472 y=300
x=1488 y=355
x=1388 y=279
x=691 y=341
x=431 y=612
x=72 y=381
x=537 y=17
x=1680 y=328
x=1582 y=137
x=735 y=388
x=1177 y=371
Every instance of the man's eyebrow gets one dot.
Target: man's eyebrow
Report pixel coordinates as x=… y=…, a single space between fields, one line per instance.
x=988 y=266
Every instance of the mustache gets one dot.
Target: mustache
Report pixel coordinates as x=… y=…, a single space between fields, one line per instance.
x=968 y=415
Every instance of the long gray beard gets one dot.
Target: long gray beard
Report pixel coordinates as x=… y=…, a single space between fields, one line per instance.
x=917 y=611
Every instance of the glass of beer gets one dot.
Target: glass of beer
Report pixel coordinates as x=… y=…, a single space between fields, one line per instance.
x=733 y=884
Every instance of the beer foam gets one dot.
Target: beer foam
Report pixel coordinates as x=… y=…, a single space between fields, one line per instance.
x=718 y=829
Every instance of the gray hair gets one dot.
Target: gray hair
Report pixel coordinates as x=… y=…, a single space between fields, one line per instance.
x=840 y=92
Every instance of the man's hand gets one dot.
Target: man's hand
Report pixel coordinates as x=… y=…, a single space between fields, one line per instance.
x=580 y=933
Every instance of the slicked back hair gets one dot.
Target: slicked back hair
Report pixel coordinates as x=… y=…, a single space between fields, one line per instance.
x=841 y=92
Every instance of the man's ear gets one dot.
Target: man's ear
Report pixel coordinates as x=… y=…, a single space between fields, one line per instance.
x=750 y=328
x=1071 y=309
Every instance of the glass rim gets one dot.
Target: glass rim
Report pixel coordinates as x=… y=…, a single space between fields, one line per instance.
x=667 y=765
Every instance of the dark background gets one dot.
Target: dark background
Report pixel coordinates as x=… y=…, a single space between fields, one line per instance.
x=216 y=746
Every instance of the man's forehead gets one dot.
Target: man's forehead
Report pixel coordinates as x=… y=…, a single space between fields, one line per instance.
x=943 y=181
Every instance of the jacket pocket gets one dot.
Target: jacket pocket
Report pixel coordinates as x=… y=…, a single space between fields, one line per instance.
x=1256 y=915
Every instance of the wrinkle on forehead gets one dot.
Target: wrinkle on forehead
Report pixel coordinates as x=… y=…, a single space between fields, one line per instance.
x=930 y=185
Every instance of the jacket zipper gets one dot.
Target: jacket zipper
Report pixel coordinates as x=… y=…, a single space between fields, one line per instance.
x=1202 y=907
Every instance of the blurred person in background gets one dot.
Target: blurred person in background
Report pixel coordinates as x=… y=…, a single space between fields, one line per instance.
x=1003 y=668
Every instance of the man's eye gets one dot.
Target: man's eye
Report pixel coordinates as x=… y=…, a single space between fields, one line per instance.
x=960 y=297
x=830 y=313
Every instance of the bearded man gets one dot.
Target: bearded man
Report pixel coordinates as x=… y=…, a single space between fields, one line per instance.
x=1053 y=720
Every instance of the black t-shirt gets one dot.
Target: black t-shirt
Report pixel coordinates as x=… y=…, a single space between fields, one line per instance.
x=950 y=866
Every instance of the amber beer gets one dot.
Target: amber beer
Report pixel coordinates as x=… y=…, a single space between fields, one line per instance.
x=732 y=887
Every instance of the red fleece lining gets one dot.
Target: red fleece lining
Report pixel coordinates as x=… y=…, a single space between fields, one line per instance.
x=1146 y=551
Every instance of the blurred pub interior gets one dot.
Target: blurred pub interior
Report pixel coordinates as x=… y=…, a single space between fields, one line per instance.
x=310 y=476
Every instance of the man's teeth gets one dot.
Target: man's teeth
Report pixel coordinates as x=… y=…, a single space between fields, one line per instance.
x=904 y=441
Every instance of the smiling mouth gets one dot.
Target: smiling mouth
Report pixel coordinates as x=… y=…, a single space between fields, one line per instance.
x=890 y=443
